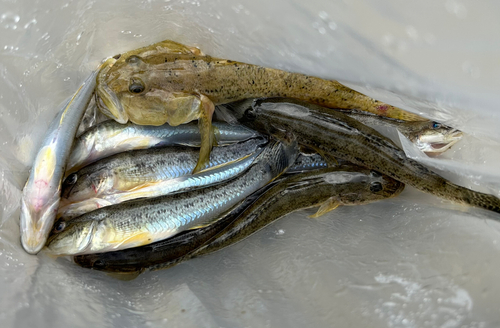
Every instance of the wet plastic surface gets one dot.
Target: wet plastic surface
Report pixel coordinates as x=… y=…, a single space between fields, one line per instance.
x=414 y=261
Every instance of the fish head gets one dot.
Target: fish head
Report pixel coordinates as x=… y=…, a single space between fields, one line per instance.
x=380 y=186
x=37 y=216
x=433 y=138
x=83 y=185
x=128 y=88
x=40 y=200
x=71 y=237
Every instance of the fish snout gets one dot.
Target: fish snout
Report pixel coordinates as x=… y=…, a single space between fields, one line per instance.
x=36 y=223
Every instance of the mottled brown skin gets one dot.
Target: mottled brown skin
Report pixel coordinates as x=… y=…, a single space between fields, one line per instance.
x=166 y=83
x=335 y=135
x=287 y=195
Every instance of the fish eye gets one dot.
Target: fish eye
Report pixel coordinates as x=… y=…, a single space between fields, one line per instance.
x=71 y=179
x=136 y=87
x=250 y=113
x=59 y=226
x=375 y=174
x=133 y=59
x=376 y=187
x=436 y=125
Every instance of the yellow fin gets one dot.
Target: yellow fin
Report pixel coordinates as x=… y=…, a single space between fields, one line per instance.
x=46 y=164
x=138 y=239
x=138 y=142
x=206 y=131
x=143 y=185
x=215 y=136
x=202 y=225
x=326 y=207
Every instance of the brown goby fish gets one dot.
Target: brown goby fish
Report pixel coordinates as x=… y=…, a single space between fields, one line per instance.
x=168 y=82
x=330 y=187
x=335 y=135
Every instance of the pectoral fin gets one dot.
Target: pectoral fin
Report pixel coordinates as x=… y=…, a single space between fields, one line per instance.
x=138 y=239
x=206 y=131
x=138 y=142
x=326 y=207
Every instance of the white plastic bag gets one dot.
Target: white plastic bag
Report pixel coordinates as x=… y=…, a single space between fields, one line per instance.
x=413 y=261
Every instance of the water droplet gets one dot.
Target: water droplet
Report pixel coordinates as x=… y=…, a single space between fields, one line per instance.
x=79 y=36
x=280 y=232
x=323 y=15
x=59 y=65
x=332 y=25
x=67 y=79
x=10 y=20
x=30 y=23
x=137 y=35
x=45 y=36
x=126 y=32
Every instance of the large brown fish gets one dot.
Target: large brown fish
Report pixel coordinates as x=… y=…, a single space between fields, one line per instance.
x=170 y=83
x=335 y=135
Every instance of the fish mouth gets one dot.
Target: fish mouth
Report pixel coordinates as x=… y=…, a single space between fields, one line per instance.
x=35 y=224
x=442 y=143
x=106 y=100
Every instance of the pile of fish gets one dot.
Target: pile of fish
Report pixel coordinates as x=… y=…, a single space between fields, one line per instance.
x=150 y=188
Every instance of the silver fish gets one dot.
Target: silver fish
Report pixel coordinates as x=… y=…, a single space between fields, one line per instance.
x=109 y=138
x=41 y=193
x=151 y=173
x=143 y=222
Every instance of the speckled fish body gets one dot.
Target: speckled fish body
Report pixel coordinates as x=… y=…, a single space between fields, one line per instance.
x=109 y=138
x=333 y=134
x=167 y=171
x=433 y=138
x=40 y=198
x=142 y=222
x=154 y=85
x=133 y=169
x=346 y=184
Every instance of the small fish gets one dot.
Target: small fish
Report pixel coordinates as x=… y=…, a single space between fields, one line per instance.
x=335 y=135
x=142 y=222
x=342 y=185
x=40 y=198
x=432 y=138
x=151 y=173
x=109 y=138
x=154 y=85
